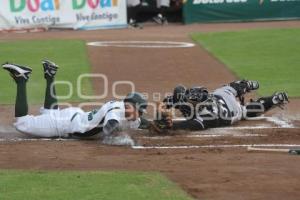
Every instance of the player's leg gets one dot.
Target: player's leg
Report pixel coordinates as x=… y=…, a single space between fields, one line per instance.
x=133 y=7
x=163 y=6
x=21 y=75
x=46 y=125
x=231 y=92
x=236 y=89
x=226 y=96
x=50 y=70
x=244 y=86
x=51 y=123
x=264 y=104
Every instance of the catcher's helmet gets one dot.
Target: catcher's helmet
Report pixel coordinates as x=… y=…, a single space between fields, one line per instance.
x=197 y=94
x=179 y=94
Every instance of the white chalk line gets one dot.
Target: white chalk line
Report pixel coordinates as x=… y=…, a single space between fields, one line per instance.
x=142 y=44
x=248 y=119
x=284 y=123
x=249 y=128
x=226 y=135
x=215 y=146
x=280 y=122
x=205 y=136
x=36 y=139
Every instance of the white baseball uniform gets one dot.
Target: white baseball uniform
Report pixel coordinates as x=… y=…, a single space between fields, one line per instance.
x=133 y=3
x=165 y=3
x=228 y=94
x=61 y=123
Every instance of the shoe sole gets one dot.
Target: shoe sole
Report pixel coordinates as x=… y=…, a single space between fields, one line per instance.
x=281 y=97
x=254 y=83
x=158 y=21
x=50 y=64
x=21 y=70
x=18 y=69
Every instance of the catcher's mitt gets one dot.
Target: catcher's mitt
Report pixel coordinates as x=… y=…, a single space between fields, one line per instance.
x=163 y=121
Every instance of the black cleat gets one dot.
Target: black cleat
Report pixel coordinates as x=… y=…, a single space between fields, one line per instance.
x=244 y=86
x=18 y=72
x=133 y=24
x=251 y=85
x=50 y=68
x=280 y=99
x=160 y=19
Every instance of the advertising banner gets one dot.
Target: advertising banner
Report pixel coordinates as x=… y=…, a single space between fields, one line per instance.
x=240 y=10
x=75 y=14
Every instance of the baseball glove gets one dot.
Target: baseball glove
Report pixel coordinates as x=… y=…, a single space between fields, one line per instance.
x=163 y=122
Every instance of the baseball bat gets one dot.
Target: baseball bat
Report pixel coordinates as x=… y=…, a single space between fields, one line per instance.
x=290 y=151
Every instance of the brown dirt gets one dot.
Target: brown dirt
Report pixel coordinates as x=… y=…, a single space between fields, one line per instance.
x=205 y=173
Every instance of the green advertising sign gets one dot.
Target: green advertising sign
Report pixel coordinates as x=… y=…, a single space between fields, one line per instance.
x=240 y=10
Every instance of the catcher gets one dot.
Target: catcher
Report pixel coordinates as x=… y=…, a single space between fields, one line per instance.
x=108 y=121
x=223 y=107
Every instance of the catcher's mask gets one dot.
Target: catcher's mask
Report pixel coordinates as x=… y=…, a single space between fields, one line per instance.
x=196 y=94
x=179 y=94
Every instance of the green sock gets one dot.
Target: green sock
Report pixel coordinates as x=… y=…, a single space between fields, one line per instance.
x=21 y=107
x=50 y=99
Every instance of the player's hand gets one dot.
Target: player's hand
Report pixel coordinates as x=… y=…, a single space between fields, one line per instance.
x=169 y=122
x=164 y=121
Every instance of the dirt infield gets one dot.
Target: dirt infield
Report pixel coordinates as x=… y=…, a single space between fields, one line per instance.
x=211 y=164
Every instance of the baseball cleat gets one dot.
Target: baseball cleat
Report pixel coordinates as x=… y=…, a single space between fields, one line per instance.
x=244 y=86
x=18 y=72
x=280 y=98
x=133 y=24
x=252 y=85
x=50 y=68
x=160 y=19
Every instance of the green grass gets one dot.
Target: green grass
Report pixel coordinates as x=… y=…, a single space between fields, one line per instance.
x=19 y=185
x=271 y=56
x=70 y=55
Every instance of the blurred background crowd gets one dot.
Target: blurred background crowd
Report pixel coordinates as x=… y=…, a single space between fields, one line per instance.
x=159 y=11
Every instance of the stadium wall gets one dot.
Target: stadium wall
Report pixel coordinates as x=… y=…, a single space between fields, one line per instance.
x=74 y=14
x=240 y=10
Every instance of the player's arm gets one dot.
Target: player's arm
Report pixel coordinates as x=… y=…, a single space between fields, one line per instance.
x=161 y=123
x=112 y=134
x=111 y=127
x=145 y=123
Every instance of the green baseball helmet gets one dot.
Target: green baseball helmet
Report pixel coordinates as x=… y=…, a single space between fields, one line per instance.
x=138 y=100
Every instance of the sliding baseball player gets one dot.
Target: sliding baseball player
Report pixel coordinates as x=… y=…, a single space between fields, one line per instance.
x=109 y=120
